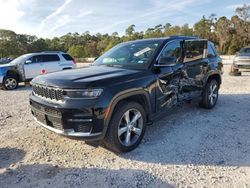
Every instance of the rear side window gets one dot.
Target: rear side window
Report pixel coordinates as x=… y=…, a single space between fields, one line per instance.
x=245 y=51
x=194 y=50
x=50 y=58
x=36 y=59
x=67 y=57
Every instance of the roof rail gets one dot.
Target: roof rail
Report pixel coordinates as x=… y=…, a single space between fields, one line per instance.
x=52 y=52
x=183 y=36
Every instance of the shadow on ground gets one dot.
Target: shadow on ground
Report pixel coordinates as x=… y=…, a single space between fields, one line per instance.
x=44 y=175
x=10 y=156
x=191 y=135
x=19 y=88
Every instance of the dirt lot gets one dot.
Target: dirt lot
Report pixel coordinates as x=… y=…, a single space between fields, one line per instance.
x=191 y=147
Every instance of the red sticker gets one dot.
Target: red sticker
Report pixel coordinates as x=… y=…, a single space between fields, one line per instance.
x=43 y=71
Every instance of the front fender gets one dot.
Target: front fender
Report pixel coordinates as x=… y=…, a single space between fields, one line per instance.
x=119 y=97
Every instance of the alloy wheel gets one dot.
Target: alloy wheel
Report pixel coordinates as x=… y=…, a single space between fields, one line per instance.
x=10 y=83
x=213 y=93
x=130 y=127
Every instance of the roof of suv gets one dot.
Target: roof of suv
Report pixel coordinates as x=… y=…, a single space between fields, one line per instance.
x=54 y=52
x=45 y=52
x=163 y=39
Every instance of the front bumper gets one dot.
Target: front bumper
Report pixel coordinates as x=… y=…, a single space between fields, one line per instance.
x=68 y=132
x=241 y=64
x=72 y=121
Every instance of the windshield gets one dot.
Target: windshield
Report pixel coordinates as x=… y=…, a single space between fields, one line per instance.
x=245 y=51
x=19 y=59
x=137 y=54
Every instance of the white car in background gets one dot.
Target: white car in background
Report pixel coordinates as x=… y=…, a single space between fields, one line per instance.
x=28 y=66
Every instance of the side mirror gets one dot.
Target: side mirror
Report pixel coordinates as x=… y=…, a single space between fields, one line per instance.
x=166 y=62
x=28 y=61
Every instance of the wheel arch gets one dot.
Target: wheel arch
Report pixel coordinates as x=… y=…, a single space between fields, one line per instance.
x=139 y=96
x=14 y=73
x=215 y=76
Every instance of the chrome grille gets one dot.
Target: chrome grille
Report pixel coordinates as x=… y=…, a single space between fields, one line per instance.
x=48 y=92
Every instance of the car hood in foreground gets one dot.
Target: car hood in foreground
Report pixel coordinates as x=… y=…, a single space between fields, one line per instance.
x=92 y=76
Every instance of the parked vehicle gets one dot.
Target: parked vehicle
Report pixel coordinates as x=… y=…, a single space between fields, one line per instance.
x=5 y=60
x=28 y=66
x=128 y=87
x=241 y=62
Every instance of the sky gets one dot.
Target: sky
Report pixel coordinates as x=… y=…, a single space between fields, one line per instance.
x=50 y=18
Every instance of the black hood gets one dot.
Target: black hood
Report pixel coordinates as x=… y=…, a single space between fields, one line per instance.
x=92 y=76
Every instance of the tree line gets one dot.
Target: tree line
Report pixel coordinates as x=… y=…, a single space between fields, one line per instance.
x=229 y=35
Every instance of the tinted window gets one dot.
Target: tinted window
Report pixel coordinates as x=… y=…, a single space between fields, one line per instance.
x=245 y=51
x=172 y=50
x=37 y=59
x=194 y=50
x=50 y=58
x=210 y=51
x=67 y=57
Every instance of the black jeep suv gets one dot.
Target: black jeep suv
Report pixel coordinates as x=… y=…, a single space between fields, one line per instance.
x=127 y=88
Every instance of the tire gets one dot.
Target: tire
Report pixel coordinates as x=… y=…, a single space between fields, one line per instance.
x=122 y=135
x=234 y=72
x=238 y=73
x=10 y=82
x=210 y=94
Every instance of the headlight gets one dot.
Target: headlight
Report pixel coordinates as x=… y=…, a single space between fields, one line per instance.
x=236 y=59
x=83 y=93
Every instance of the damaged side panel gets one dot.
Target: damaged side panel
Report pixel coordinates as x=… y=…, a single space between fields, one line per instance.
x=168 y=88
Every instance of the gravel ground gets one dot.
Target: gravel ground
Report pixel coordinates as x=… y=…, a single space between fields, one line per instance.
x=191 y=147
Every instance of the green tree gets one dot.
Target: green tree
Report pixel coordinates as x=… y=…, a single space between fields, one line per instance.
x=77 y=51
x=130 y=30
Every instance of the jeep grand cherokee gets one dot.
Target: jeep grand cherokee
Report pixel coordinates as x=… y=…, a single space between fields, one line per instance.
x=127 y=88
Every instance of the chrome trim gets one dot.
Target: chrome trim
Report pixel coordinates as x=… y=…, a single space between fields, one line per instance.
x=53 y=101
x=41 y=85
x=80 y=120
x=68 y=132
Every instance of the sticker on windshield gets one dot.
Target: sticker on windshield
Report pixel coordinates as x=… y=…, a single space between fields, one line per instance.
x=142 y=51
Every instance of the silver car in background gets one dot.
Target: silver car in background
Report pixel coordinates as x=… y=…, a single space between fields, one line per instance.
x=241 y=62
x=28 y=66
